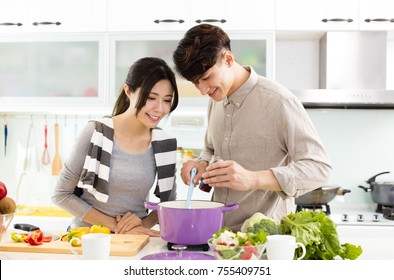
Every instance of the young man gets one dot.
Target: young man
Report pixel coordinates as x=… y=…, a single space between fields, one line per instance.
x=268 y=148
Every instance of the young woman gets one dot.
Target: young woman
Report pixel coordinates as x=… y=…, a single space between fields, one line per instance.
x=116 y=160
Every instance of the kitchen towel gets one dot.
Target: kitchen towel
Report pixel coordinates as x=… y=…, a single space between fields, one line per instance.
x=95 y=173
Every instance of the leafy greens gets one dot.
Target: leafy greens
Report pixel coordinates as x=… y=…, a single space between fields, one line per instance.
x=319 y=235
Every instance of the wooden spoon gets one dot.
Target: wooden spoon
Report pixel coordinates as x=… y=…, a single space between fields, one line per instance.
x=57 y=163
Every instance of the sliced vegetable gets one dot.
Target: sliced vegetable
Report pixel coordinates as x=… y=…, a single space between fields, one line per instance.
x=18 y=237
x=47 y=238
x=77 y=232
x=249 y=248
x=238 y=246
x=35 y=238
x=245 y=256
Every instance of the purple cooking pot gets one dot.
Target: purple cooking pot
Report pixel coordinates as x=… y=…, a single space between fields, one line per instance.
x=189 y=226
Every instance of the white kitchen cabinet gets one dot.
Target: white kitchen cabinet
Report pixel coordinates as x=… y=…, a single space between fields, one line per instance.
x=316 y=15
x=238 y=15
x=250 y=48
x=376 y=14
x=41 y=73
x=40 y=16
x=13 y=16
x=180 y=15
x=148 y=15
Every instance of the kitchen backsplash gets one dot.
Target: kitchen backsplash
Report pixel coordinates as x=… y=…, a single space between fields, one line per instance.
x=28 y=177
x=360 y=144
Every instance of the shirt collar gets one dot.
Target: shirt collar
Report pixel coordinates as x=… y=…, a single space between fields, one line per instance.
x=238 y=96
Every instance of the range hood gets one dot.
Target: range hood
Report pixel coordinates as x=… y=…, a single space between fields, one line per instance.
x=352 y=72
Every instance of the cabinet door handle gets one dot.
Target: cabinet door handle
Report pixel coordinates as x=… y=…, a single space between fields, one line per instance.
x=211 y=20
x=46 y=23
x=169 y=20
x=337 y=19
x=10 y=24
x=379 y=20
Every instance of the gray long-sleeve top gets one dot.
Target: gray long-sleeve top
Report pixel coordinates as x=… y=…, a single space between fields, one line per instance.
x=131 y=178
x=261 y=126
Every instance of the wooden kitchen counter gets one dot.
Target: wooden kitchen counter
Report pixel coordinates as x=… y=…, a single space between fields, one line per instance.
x=154 y=245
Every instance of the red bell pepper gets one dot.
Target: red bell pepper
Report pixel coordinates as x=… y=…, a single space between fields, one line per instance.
x=35 y=238
x=47 y=238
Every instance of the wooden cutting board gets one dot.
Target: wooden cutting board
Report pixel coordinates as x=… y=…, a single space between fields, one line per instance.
x=121 y=245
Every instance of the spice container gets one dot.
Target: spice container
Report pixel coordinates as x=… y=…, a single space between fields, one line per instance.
x=205 y=187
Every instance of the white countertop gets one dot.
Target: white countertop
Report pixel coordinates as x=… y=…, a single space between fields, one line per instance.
x=376 y=239
x=377 y=244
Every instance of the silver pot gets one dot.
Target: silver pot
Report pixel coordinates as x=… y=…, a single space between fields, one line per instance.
x=320 y=196
x=382 y=193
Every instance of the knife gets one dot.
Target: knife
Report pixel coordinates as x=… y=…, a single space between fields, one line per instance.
x=31 y=228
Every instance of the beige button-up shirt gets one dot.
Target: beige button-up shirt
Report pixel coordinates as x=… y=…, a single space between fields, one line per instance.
x=264 y=126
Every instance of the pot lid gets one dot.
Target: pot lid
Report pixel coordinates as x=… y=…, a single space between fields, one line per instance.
x=173 y=255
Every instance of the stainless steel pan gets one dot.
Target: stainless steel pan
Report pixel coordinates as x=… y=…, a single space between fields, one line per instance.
x=320 y=196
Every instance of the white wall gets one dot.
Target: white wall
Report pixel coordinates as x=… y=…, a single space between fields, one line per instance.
x=360 y=144
x=36 y=186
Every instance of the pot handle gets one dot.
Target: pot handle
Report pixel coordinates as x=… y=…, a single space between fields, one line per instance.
x=151 y=205
x=343 y=191
x=365 y=189
x=230 y=207
x=372 y=179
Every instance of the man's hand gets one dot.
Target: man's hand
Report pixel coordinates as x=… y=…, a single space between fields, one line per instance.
x=229 y=174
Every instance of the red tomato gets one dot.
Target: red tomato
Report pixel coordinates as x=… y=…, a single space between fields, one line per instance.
x=249 y=248
x=245 y=256
x=3 y=190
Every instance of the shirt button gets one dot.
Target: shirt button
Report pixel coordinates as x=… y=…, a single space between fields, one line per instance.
x=226 y=138
x=237 y=103
x=228 y=115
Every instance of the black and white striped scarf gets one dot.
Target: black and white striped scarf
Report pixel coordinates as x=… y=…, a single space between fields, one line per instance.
x=95 y=173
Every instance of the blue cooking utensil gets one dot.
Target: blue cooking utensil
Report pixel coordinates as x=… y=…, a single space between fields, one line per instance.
x=5 y=138
x=191 y=187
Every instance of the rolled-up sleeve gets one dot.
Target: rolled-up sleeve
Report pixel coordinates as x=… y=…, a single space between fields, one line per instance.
x=308 y=165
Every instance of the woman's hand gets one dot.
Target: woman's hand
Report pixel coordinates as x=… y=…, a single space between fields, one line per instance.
x=144 y=230
x=127 y=222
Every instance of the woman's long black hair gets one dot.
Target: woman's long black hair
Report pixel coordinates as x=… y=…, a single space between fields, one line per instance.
x=144 y=74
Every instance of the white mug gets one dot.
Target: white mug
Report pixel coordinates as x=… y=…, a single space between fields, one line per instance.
x=282 y=247
x=95 y=246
